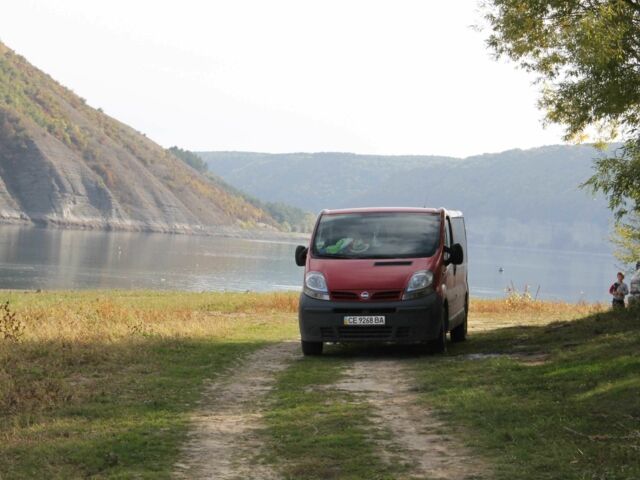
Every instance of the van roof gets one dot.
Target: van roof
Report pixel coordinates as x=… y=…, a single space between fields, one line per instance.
x=451 y=213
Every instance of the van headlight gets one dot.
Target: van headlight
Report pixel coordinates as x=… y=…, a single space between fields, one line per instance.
x=420 y=284
x=315 y=286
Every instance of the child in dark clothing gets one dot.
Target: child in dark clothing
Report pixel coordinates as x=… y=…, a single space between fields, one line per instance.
x=619 y=290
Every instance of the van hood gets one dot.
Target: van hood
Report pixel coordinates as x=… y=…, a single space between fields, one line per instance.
x=369 y=274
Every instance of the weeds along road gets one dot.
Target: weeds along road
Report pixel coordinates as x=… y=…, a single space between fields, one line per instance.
x=399 y=437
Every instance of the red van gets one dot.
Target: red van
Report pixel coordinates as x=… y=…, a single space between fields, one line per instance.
x=384 y=274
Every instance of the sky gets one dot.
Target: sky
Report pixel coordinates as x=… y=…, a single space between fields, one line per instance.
x=378 y=77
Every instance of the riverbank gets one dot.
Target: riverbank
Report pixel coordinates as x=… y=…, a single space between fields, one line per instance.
x=105 y=384
x=256 y=232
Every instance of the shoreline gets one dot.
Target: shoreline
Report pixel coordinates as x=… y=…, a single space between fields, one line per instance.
x=266 y=293
x=202 y=231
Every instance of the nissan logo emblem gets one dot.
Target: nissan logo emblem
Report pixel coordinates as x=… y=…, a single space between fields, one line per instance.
x=364 y=295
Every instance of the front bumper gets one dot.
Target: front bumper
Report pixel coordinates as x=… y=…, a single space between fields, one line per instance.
x=407 y=321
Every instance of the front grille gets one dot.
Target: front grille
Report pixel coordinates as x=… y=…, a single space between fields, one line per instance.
x=379 y=333
x=365 y=333
x=386 y=296
x=364 y=311
x=337 y=295
x=380 y=296
x=403 y=332
x=327 y=334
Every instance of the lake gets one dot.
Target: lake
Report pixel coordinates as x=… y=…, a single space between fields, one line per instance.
x=39 y=258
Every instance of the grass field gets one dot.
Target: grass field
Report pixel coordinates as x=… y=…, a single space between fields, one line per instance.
x=102 y=384
x=546 y=392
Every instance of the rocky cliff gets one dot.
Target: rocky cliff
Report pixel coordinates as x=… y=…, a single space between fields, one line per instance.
x=64 y=163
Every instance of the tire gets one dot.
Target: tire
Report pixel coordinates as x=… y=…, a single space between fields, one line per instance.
x=439 y=345
x=459 y=334
x=311 y=348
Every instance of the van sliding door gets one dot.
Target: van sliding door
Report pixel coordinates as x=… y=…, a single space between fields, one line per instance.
x=459 y=236
x=450 y=273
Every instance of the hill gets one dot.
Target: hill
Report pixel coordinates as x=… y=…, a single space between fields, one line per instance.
x=290 y=219
x=525 y=198
x=64 y=163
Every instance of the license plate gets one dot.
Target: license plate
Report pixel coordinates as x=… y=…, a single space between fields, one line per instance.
x=364 y=320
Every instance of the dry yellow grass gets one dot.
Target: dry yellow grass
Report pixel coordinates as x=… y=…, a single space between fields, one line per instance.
x=69 y=342
x=112 y=316
x=516 y=310
x=63 y=332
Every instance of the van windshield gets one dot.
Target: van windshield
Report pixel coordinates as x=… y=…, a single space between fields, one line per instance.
x=377 y=235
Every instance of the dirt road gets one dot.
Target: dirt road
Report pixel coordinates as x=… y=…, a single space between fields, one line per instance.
x=225 y=441
x=417 y=437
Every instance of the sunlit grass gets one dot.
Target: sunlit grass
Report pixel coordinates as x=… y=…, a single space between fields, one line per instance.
x=518 y=310
x=101 y=383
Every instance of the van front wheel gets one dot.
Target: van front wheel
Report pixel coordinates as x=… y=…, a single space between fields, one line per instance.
x=311 y=348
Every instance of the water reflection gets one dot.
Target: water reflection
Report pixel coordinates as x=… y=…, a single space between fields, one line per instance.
x=32 y=258
x=569 y=276
x=49 y=258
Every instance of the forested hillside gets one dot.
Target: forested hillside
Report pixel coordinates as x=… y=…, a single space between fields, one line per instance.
x=67 y=164
x=519 y=197
x=289 y=218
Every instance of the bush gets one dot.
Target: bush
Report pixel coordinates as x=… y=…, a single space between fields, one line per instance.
x=11 y=327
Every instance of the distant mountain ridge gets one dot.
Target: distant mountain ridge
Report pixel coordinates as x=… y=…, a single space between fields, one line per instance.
x=67 y=164
x=527 y=198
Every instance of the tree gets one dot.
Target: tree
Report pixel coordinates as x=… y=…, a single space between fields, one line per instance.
x=627 y=240
x=190 y=158
x=586 y=55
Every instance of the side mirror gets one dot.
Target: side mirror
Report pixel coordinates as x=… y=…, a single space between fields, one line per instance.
x=456 y=254
x=301 y=255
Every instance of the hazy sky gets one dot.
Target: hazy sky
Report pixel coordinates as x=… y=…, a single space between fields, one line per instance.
x=390 y=77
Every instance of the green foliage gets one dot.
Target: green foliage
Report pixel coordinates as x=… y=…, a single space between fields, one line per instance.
x=627 y=241
x=585 y=52
x=618 y=177
x=291 y=218
x=190 y=159
x=288 y=218
x=586 y=55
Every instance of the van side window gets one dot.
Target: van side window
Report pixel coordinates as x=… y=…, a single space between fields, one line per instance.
x=459 y=233
x=447 y=234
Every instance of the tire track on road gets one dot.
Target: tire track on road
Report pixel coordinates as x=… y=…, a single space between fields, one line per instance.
x=417 y=438
x=224 y=443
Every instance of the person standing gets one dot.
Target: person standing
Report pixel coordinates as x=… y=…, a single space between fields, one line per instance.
x=619 y=290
